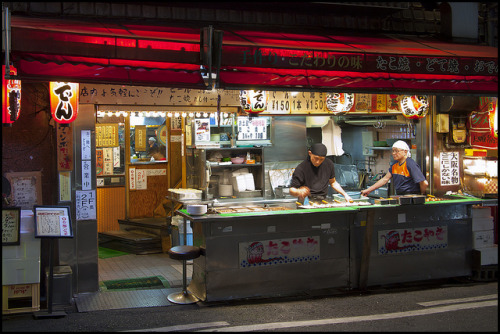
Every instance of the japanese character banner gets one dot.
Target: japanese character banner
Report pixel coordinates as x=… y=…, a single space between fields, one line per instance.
x=64 y=101
x=279 y=251
x=449 y=170
x=412 y=240
x=64 y=148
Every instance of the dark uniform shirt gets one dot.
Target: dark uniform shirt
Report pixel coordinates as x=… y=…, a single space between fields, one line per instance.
x=315 y=178
x=406 y=177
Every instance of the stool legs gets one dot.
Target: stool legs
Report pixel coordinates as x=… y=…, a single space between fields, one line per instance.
x=183 y=297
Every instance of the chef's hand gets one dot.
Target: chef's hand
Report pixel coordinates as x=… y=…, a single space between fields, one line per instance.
x=365 y=192
x=348 y=198
x=303 y=193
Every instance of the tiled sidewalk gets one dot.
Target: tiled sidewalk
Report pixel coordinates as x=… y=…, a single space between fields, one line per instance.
x=137 y=266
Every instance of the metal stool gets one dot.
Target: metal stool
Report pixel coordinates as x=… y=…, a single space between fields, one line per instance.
x=183 y=253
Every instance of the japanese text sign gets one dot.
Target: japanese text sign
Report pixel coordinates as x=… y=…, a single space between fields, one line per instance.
x=279 y=251
x=64 y=101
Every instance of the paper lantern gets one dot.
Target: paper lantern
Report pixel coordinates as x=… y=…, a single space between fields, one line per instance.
x=11 y=97
x=493 y=110
x=253 y=101
x=414 y=106
x=339 y=103
x=64 y=101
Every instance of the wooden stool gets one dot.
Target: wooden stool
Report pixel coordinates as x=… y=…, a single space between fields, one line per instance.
x=183 y=253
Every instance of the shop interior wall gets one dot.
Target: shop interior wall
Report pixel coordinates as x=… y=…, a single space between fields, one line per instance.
x=30 y=145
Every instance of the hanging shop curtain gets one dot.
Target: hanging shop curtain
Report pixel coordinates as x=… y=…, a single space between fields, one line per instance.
x=355 y=63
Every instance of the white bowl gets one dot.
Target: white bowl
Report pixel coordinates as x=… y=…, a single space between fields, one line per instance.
x=196 y=209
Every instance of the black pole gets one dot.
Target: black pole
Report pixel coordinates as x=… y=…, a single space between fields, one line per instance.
x=51 y=276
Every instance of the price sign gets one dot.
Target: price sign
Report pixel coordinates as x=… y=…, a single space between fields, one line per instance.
x=252 y=128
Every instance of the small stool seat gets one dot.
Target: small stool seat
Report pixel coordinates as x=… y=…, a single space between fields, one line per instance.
x=183 y=253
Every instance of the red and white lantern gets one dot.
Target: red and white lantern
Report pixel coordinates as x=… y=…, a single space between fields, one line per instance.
x=64 y=101
x=253 y=101
x=414 y=106
x=339 y=103
x=11 y=97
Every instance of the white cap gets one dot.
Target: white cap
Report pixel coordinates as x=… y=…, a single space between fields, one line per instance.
x=402 y=145
x=152 y=138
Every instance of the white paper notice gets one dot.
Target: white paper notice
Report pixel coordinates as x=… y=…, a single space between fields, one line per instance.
x=116 y=156
x=131 y=178
x=86 y=175
x=141 y=178
x=85 y=205
x=86 y=145
x=449 y=168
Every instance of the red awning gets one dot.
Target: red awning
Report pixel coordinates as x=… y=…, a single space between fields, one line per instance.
x=109 y=53
x=355 y=64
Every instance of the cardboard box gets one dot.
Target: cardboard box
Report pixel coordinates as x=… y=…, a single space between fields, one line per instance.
x=482 y=224
x=482 y=239
x=481 y=212
x=485 y=256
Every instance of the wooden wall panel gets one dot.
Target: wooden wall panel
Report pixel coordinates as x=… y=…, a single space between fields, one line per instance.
x=110 y=208
x=149 y=202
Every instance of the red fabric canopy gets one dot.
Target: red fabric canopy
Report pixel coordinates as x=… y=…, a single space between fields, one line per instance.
x=268 y=60
x=132 y=54
x=70 y=50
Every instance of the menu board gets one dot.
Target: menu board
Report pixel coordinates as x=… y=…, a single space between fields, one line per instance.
x=252 y=128
x=106 y=135
x=11 y=226
x=26 y=188
x=52 y=221
x=140 y=138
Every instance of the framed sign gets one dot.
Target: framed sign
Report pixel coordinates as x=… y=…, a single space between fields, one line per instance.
x=26 y=188
x=11 y=226
x=52 y=221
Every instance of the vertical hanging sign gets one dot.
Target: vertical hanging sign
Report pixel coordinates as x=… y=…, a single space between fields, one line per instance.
x=449 y=169
x=64 y=148
x=64 y=101
x=11 y=97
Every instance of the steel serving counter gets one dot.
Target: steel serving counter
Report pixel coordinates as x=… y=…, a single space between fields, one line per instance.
x=298 y=251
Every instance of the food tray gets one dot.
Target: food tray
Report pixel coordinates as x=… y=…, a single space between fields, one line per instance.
x=417 y=199
x=383 y=201
x=185 y=194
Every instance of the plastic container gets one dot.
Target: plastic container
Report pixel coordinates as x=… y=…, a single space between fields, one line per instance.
x=237 y=160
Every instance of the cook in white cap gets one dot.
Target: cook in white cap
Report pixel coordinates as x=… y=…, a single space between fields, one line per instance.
x=152 y=146
x=312 y=176
x=406 y=174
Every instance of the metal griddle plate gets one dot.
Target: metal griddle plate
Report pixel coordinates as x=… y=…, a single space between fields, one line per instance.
x=331 y=204
x=245 y=209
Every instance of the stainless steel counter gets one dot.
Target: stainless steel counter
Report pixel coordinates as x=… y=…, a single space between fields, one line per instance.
x=276 y=253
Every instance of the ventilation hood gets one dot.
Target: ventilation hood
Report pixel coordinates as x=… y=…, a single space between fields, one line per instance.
x=363 y=120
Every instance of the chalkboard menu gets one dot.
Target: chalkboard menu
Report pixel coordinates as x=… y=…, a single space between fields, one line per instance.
x=26 y=188
x=11 y=226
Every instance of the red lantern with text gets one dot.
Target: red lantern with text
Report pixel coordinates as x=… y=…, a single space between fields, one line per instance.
x=11 y=97
x=253 y=101
x=414 y=106
x=339 y=103
x=64 y=101
x=493 y=110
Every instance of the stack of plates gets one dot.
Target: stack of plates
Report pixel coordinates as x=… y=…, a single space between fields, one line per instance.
x=225 y=190
x=196 y=209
